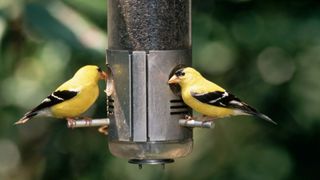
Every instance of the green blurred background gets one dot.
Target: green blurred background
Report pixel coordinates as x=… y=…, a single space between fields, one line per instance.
x=266 y=52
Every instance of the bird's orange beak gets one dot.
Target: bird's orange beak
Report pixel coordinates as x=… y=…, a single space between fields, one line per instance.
x=103 y=75
x=174 y=79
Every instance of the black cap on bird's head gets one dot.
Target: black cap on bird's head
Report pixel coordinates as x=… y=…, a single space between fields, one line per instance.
x=177 y=76
x=180 y=72
x=183 y=75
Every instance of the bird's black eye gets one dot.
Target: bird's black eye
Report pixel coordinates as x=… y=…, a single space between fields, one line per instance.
x=99 y=69
x=180 y=73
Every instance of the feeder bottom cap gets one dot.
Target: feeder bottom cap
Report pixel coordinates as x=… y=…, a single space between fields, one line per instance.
x=151 y=161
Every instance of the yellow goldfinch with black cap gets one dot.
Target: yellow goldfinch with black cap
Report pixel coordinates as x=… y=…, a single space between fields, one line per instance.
x=72 y=98
x=210 y=99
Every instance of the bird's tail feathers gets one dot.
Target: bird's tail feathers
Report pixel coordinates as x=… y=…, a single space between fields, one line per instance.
x=26 y=117
x=265 y=117
x=245 y=108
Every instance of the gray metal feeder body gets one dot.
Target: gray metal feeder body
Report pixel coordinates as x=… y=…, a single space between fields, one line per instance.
x=147 y=39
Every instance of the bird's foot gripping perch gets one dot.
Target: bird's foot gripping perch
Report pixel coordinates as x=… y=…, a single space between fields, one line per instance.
x=190 y=122
x=73 y=122
x=103 y=123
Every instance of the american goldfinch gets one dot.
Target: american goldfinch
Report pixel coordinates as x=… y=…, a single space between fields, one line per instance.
x=72 y=98
x=208 y=98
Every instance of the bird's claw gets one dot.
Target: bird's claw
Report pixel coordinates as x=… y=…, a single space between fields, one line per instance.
x=87 y=120
x=71 y=122
x=188 y=117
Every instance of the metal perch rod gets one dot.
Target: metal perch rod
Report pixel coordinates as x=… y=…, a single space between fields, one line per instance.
x=88 y=123
x=193 y=123
x=105 y=122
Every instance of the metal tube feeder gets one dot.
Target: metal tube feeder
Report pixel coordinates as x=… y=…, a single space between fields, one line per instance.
x=147 y=39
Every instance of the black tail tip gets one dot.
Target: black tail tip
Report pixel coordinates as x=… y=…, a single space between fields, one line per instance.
x=262 y=116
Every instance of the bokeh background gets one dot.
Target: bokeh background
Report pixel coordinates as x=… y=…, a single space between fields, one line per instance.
x=266 y=52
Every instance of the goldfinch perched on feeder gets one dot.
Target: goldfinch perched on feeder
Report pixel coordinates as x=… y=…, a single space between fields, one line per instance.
x=208 y=98
x=72 y=98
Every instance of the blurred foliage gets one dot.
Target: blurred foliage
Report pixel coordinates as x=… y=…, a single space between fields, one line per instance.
x=266 y=52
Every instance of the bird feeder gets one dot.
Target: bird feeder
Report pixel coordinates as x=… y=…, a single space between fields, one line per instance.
x=147 y=41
